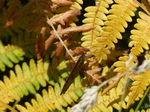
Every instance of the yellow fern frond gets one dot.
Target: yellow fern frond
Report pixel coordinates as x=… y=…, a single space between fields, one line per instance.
x=132 y=110
x=107 y=102
x=140 y=37
x=52 y=99
x=76 y=4
x=138 y=87
x=95 y=16
x=121 y=67
x=26 y=79
x=101 y=39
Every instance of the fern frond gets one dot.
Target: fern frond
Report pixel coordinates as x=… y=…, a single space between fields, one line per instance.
x=138 y=87
x=76 y=4
x=9 y=54
x=106 y=103
x=95 y=16
x=26 y=79
x=132 y=110
x=52 y=99
x=121 y=66
x=26 y=41
x=140 y=36
x=116 y=23
x=104 y=38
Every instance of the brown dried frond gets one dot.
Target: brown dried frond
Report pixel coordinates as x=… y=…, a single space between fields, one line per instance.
x=13 y=15
x=62 y=2
x=1 y=5
x=60 y=47
x=112 y=85
x=72 y=29
x=63 y=33
x=64 y=18
x=93 y=76
x=37 y=23
x=57 y=3
x=40 y=44
x=92 y=72
x=76 y=29
x=77 y=50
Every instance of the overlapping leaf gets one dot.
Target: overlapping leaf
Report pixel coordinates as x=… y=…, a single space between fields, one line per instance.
x=140 y=36
x=52 y=100
x=138 y=87
x=24 y=80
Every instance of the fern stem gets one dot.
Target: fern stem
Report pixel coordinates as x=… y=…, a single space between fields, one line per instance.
x=124 y=91
x=141 y=101
x=15 y=103
x=56 y=33
x=7 y=106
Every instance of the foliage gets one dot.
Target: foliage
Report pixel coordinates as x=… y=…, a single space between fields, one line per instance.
x=45 y=43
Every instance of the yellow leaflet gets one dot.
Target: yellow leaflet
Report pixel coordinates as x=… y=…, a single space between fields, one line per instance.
x=91 y=9
x=144 y=17
x=29 y=107
x=107 y=41
x=126 y=9
x=91 y=32
x=141 y=25
x=98 y=15
x=112 y=31
x=104 y=4
x=75 y=5
x=119 y=20
x=115 y=25
x=135 y=51
x=124 y=15
x=80 y=1
x=109 y=36
x=95 y=20
x=88 y=37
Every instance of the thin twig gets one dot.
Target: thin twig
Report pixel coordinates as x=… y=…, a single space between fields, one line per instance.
x=56 y=33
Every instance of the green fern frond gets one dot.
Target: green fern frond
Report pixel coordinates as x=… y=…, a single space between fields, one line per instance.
x=26 y=41
x=5 y=33
x=26 y=79
x=138 y=87
x=52 y=99
x=9 y=54
x=140 y=37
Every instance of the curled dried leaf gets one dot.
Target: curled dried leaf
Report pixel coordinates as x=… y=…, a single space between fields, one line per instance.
x=77 y=50
x=16 y=15
x=72 y=29
x=64 y=18
x=62 y=2
x=93 y=77
x=59 y=49
x=40 y=44
x=49 y=41
x=112 y=85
